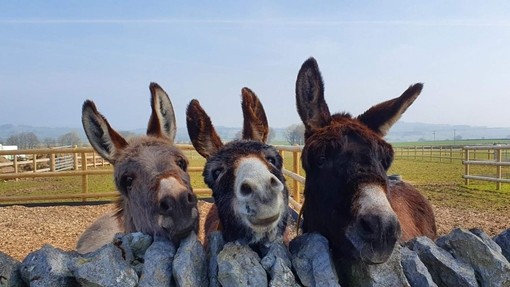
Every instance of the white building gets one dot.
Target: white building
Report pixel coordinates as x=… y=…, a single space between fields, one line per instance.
x=8 y=147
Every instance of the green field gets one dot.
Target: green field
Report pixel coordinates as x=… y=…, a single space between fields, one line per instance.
x=442 y=183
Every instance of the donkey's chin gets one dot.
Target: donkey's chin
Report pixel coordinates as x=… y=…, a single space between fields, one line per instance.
x=370 y=256
x=264 y=221
x=367 y=251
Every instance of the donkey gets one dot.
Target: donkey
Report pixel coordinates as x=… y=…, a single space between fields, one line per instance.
x=150 y=173
x=348 y=196
x=245 y=176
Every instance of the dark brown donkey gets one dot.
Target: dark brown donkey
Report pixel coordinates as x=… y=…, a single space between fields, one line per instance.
x=151 y=174
x=348 y=196
x=245 y=176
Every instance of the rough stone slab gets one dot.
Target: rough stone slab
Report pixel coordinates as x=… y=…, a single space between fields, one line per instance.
x=503 y=240
x=389 y=273
x=416 y=273
x=492 y=268
x=312 y=260
x=238 y=265
x=157 y=267
x=133 y=246
x=278 y=264
x=486 y=239
x=215 y=244
x=104 y=267
x=9 y=275
x=190 y=265
x=47 y=267
x=443 y=268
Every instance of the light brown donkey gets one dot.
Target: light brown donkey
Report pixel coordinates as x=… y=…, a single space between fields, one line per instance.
x=150 y=173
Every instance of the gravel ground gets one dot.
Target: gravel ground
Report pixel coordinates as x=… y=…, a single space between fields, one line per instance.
x=25 y=229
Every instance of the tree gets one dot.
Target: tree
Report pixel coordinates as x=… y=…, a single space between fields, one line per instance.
x=71 y=138
x=49 y=142
x=295 y=134
x=25 y=140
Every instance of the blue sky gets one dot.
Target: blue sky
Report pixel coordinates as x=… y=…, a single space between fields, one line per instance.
x=56 y=54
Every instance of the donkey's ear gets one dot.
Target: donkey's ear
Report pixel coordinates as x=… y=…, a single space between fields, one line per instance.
x=105 y=140
x=201 y=131
x=255 y=125
x=381 y=117
x=162 y=120
x=311 y=106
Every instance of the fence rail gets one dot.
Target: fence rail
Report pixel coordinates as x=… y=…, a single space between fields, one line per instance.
x=498 y=156
x=43 y=163
x=446 y=154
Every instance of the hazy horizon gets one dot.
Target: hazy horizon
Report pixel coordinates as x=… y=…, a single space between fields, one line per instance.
x=57 y=54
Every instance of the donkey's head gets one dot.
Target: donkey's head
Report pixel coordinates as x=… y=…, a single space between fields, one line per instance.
x=150 y=172
x=245 y=175
x=346 y=160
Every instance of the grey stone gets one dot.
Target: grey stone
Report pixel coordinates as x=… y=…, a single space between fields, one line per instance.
x=190 y=266
x=503 y=240
x=491 y=267
x=389 y=273
x=238 y=265
x=215 y=244
x=278 y=264
x=157 y=268
x=486 y=239
x=443 y=268
x=312 y=260
x=416 y=273
x=104 y=267
x=47 y=267
x=133 y=246
x=9 y=275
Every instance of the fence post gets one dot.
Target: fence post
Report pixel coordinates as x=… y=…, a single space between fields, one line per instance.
x=451 y=153
x=16 y=165
x=34 y=162
x=297 y=194
x=466 y=165
x=498 y=157
x=52 y=162
x=440 y=153
x=75 y=155
x=94 y=159
x=85 y=177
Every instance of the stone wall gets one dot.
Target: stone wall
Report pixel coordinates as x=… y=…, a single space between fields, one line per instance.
x=461 y=258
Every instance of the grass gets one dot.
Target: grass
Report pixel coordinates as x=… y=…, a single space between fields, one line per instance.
x=443 y=185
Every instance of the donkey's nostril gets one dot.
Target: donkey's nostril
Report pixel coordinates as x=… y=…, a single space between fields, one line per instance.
x=275 y=183
x=192 y=199
x=369 y=225
x=166 y=205
x=246 y=189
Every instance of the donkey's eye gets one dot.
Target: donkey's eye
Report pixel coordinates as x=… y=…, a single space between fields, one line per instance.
x=216 y=173
x=126 y=182
x=321 y=160
x=271 y=160
x=182 y=164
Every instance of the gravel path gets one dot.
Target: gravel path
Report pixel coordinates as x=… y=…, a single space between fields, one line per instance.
x=25 y=229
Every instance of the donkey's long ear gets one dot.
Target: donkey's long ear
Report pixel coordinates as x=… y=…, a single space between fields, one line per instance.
x=201 y=131
x=162 y=120
x=381 y=117
x=311 y=106
x=105 y=140
x=255 y=125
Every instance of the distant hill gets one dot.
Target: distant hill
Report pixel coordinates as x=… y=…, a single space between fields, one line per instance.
x=400 y=132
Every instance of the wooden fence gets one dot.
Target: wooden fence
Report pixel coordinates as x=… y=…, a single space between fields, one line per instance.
x=493 y=157
x=43 y=163
x=446 y=154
